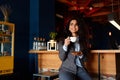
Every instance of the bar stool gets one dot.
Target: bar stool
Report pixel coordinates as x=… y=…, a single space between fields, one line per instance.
x=48 y=75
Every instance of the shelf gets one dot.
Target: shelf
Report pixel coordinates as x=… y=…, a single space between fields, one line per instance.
x=6 y=47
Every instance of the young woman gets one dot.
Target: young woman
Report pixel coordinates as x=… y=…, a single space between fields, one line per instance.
x=73 y=54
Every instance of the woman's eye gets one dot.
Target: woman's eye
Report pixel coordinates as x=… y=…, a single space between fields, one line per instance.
x=71 y=24
x=76 y=25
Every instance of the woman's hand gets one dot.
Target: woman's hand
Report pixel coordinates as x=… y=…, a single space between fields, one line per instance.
x=75 y=53
x=67 y=41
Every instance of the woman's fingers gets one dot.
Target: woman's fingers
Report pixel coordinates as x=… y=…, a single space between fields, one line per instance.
x=67 y=41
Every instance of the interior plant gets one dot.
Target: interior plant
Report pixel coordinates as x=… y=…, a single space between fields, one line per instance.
x=6 y=10
x=53 y=35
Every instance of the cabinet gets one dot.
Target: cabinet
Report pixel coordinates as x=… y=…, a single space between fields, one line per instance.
x=6 y=47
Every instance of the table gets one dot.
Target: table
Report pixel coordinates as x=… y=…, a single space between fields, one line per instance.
x=48 y=75
x=102 y=52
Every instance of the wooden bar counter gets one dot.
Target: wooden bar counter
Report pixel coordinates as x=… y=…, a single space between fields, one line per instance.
x=47 y=59
x=109 y=61
x=105 y=51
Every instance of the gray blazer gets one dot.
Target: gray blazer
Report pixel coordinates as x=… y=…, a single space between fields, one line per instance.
x=68 y=60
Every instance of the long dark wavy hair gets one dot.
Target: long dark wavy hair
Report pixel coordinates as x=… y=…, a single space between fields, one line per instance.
x=81 y=32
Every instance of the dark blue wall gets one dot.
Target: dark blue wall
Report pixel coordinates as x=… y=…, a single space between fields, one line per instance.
x=47 y=17
x=34 y=31
x=20 y=16
x=41 y=23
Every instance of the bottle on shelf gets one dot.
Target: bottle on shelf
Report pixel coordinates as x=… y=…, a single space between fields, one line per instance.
x=39 y=43
x=0 y=53
x=35 y=43
x=44 y=43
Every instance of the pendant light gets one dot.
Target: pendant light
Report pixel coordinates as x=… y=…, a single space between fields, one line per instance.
x=113 y=18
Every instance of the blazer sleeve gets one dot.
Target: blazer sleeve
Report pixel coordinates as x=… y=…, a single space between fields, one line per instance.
x=62 y=53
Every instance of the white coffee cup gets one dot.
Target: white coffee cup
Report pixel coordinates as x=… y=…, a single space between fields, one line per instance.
x=73 y=39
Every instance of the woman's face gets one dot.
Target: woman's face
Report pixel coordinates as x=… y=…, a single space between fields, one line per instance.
x=73 y=26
